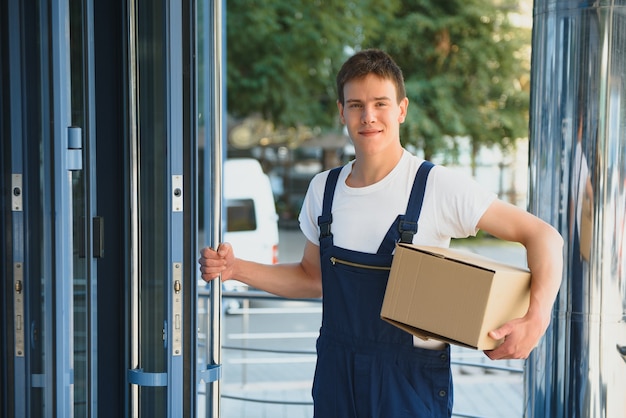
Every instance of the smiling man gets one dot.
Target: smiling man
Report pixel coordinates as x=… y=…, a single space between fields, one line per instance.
x=352 y=217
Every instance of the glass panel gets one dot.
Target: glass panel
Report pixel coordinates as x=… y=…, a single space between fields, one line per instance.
x=81 y=254
x=37 y=246
x=152 y=200
x=37 y=186
x=203 y=398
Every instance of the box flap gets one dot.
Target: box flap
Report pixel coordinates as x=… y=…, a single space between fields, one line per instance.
x=487 y=344
x=464 y=257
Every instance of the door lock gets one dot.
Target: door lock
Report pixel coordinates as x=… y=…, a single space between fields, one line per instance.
x=177 y=193
x=16 y=195
x=18 y=310
x=177 y=310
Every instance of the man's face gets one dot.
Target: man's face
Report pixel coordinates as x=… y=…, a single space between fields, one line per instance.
x=372 y=114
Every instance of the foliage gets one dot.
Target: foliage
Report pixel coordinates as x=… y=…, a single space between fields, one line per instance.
x=464 y=71
x=283 y=55
x=463 y=64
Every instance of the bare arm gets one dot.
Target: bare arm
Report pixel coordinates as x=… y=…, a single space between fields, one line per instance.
x=544 y=249
x=294 y=280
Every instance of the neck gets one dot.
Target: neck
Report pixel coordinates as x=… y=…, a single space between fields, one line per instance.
x=368 y=170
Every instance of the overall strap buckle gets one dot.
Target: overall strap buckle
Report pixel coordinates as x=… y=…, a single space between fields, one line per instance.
x=324 y=222
x=407 y=229
x=326 y=218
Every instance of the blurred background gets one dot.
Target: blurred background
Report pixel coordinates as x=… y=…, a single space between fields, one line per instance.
x=467 y=73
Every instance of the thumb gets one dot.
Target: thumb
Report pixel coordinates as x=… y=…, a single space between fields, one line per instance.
x=223 y=249
x=501 y=332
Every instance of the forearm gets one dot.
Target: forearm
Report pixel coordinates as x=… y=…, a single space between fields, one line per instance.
x=545 y=261
x=544 y=251
x=286 y=280
x=295 y=280
x=544 y=247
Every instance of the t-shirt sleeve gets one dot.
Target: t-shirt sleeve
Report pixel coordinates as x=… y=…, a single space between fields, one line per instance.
x=460 y=201
x=312 y=207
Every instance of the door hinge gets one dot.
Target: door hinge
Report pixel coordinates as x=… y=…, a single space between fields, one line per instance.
x=74 y=148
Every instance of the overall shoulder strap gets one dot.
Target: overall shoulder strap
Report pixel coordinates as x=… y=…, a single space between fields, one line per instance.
x=408 y=226
x=326 y=218
x=405 y=226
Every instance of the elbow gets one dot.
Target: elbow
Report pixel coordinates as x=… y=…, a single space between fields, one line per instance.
x=557 y=238
x=546 y=234
x=316 y=290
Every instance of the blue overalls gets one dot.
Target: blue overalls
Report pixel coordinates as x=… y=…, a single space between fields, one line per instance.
x=366 y=367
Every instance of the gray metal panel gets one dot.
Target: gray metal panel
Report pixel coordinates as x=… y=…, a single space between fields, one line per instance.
x=578 y=183
x=13 y=118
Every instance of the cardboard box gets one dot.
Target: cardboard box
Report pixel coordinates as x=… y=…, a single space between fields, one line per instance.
x=452 y=295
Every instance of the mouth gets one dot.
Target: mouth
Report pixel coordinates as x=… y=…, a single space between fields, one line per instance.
x=369 y=132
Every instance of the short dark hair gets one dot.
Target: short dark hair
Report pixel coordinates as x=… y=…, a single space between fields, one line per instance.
x=370 y=61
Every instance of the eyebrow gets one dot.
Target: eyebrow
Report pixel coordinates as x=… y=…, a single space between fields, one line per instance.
x=376 y=99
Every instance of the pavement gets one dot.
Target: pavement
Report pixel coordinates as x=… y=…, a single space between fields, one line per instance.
x=278 y=384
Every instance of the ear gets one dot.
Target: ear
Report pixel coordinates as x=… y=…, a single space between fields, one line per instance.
x=404 y=105
x=340 y=107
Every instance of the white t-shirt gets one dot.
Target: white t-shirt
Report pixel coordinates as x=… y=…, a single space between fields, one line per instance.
x=453 y=205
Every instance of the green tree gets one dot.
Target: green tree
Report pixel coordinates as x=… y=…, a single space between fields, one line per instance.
x=464 y=64
x=282 y=56
x=464 y=68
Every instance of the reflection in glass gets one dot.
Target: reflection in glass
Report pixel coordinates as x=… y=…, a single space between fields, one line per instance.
x=578 y=178
x=152 y=200
x=82 y=278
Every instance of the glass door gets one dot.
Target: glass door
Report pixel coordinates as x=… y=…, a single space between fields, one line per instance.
x=53 y=234
x=45 y=54
x=161 y=285
x=149 y=170
x=28 y=370
x=87 y=228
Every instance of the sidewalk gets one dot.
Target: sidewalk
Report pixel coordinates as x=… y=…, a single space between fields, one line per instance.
x=477 y=394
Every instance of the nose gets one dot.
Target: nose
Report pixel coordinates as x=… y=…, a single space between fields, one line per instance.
x=367 y=115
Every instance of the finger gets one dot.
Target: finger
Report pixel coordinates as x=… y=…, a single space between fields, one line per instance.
x=208 y=278
x=495 y=334
x=205 y=255
x=206 y=251
x=497 y=353
x=502 y=332
x=223 y=249
x=212 y=266
x=490 y=354
x=210 y=273
x=210 y=261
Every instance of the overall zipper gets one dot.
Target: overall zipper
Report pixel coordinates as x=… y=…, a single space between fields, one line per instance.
x=335 y=261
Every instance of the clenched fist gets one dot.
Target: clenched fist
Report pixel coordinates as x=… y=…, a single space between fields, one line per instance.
x=214 y=264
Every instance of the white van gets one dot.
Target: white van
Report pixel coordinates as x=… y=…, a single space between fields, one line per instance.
x=251 y=222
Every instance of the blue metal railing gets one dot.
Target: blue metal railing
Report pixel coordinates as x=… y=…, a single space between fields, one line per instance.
x=509 y=367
